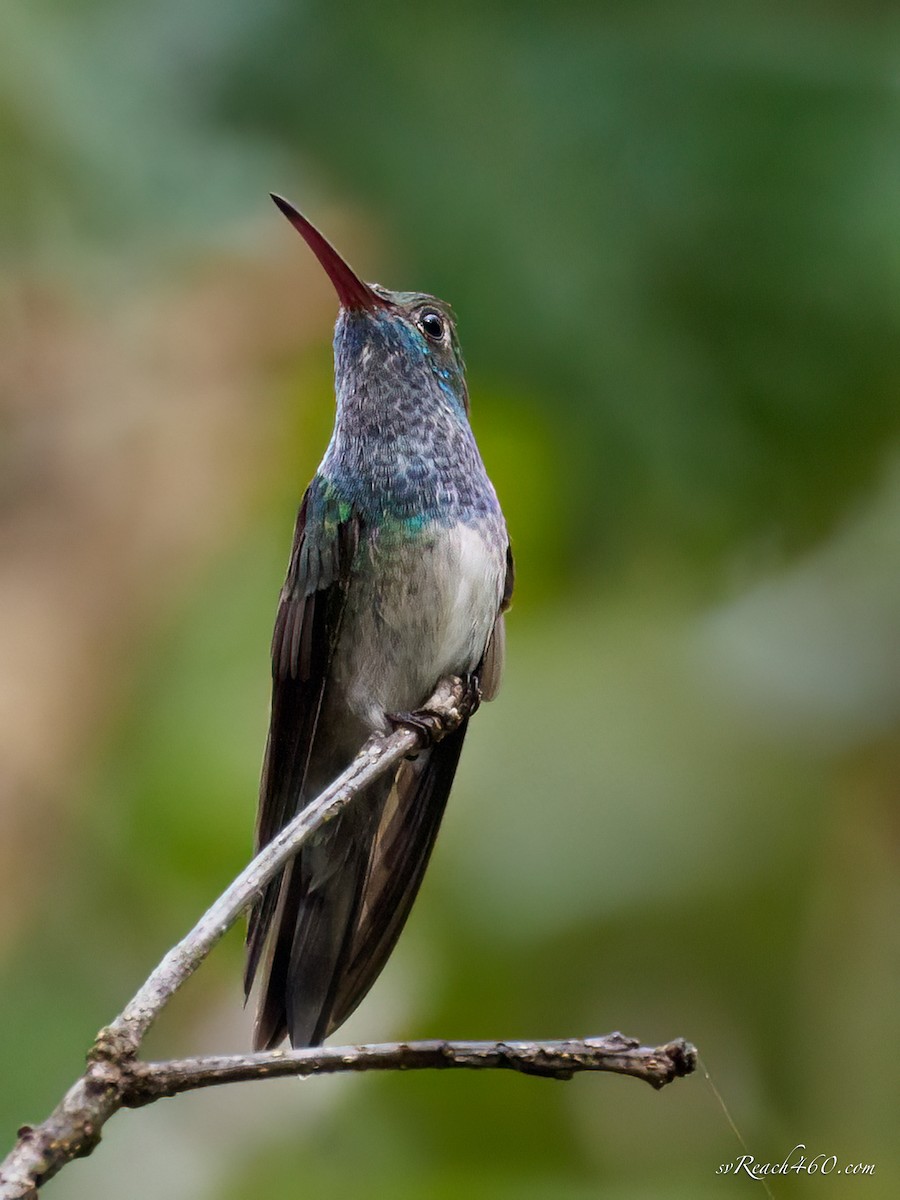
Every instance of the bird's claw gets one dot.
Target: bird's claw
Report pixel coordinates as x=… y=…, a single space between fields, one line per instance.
x=432 y=725
x=471 y=697
x=428 y=724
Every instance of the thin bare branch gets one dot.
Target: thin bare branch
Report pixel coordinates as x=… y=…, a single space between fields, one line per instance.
x=114 y=1078
x=615 y=1053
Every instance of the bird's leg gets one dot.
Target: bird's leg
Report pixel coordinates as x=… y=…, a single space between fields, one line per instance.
x=432 y=725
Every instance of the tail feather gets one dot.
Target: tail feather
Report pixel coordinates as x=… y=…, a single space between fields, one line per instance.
x=344 y=900
x=397 y=863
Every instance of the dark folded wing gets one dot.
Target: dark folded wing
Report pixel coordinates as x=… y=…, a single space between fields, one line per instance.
x=491 y=668
x=306 y=628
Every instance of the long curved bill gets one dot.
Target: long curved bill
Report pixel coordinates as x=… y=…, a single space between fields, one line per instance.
x=352 y=292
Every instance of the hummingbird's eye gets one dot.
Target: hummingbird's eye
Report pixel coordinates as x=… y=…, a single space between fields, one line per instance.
x=432 y=324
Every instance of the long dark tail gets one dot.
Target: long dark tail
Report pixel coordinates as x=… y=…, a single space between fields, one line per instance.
x=331 y=923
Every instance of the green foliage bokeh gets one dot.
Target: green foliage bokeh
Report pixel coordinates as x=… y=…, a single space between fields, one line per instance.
x=671 y=235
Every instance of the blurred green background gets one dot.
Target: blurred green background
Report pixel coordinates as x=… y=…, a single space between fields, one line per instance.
x=672 y=236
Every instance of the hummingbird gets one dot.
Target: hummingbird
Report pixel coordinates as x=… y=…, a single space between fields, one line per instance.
x=399 y=575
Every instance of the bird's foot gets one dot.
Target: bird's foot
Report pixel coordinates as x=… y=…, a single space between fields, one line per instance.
x=470 y=701
x=431 y=724
x=428 y=724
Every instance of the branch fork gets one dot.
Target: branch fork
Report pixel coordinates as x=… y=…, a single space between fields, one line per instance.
x=115 y=1078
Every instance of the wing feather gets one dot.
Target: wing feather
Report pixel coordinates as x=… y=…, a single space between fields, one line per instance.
x=306 y=626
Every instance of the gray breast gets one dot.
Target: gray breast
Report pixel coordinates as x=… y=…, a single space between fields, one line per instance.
x=418 y=608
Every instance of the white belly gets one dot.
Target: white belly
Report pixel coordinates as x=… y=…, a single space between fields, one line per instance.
x=431 y=615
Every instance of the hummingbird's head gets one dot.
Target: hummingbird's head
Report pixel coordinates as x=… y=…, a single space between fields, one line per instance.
x=398 y=348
